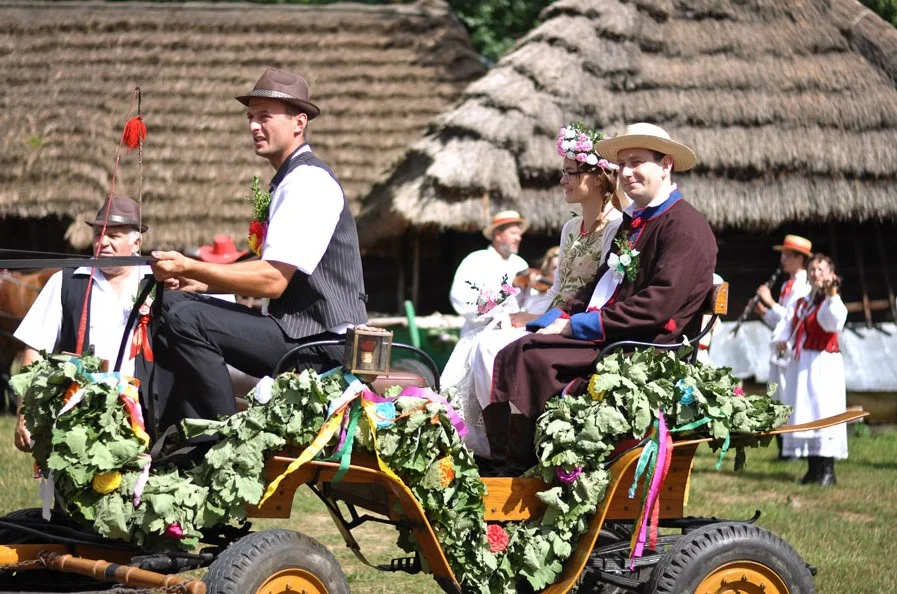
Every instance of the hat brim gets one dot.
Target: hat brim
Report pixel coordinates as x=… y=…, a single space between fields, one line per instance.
x=791 y=248
x=683 y=157
x=309 y=108
x=487 y=232
x=114 y=223
x=206 y=254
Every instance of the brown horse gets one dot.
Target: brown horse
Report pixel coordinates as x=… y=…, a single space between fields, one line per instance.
x=18 y=290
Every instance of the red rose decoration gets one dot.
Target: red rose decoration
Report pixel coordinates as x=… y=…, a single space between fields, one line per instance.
x=497 y=537
x=670 y=325
x=637 y=222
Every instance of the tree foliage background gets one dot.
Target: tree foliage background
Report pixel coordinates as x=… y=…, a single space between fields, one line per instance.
x=494 y=25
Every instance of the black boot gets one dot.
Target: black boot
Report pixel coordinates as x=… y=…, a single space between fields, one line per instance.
x=827 y=472
x=813 y=470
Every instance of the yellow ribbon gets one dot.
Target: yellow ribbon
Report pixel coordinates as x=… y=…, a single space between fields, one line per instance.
x=324 y=435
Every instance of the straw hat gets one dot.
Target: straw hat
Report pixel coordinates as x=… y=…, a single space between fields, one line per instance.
x=648 y=136
x=796 y=243
x=505 y=217
x=222 y=251
x=122 y=211
x=285 y=86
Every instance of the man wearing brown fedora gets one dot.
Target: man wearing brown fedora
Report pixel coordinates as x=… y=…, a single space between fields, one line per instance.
x=309 y=266
x=485 y=269
x=651 y=288
x=53 y=321
x=796 y=251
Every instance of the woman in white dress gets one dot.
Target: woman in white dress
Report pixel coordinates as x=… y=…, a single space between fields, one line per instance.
x=590 y=181
x=815 y=372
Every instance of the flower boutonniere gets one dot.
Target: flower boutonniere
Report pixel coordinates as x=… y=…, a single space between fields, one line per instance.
x=258 y=228
x=624 y=264
x=636 y=223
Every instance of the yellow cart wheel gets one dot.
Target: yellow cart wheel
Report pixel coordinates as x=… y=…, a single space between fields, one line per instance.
x=730 y=558
x=276 y=562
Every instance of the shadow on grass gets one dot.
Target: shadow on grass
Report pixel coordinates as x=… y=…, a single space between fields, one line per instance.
x=784 y=475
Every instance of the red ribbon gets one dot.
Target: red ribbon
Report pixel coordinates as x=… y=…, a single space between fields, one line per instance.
x=140 y=340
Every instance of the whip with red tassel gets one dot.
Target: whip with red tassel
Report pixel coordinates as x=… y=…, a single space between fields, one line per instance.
x=132 y=136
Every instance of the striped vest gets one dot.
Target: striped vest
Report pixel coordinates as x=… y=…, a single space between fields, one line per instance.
x=334 y=293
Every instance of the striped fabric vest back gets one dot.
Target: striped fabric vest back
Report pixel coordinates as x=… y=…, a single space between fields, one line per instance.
x=334 y=293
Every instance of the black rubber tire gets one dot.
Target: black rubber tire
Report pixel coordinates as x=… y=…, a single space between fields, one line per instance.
x=256 y=559
x=416 y=367
x=707 y=551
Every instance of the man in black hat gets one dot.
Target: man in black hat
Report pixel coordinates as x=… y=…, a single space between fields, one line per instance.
x=309 y=266
x=52 y=323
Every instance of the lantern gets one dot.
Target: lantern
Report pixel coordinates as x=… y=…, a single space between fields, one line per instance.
x=367 y=350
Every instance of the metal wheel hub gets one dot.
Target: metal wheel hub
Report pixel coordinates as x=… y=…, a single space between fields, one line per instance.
x=742 y=577
x=292 y=581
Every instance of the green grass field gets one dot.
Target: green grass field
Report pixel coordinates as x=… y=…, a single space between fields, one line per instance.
x=848 y=532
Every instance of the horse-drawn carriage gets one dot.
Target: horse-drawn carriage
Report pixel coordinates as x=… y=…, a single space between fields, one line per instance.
x=683 y=554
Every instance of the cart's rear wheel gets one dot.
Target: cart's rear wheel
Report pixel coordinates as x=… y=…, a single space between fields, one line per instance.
x=731 y=557
x=276 y=562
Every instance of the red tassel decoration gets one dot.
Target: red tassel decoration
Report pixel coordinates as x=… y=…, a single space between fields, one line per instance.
x=135 y=132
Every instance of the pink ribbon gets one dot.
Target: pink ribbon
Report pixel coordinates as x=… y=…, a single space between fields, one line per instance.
x=428 y=394
x=662 y=464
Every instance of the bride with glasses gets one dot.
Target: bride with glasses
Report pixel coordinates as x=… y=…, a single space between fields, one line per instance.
x=591 y=182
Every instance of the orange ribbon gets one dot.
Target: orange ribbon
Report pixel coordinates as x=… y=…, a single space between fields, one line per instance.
x=140 y=341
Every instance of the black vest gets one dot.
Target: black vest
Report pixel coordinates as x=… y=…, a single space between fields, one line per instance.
x=334 y=293
x=153 y=379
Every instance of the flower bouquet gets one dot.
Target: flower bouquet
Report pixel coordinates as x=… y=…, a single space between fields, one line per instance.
x=493 y=307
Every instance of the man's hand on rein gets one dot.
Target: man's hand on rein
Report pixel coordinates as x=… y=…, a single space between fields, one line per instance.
x=170 y=265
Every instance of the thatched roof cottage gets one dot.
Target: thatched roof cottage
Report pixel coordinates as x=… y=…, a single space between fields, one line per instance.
x=379 y=73
x=791 y=106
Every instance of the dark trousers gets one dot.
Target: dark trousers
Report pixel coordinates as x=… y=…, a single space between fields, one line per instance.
x=199 y=336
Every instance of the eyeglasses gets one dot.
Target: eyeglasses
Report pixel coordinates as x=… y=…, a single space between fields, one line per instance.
x=568 y=174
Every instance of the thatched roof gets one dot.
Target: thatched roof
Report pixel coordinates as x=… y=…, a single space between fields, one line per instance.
x=379 y=73
x=791 y=106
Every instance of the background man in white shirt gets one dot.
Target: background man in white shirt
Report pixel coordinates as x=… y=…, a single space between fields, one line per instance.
x=486 y=268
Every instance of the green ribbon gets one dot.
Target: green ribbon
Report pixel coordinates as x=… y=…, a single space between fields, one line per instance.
x=344 y=454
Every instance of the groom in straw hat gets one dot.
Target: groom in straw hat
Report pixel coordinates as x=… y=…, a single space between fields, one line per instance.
x=309 y=266
x=486 y=268
x=651 y=288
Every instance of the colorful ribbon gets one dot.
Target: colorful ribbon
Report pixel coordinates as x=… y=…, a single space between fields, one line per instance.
x=656 y=457
x=343 y=415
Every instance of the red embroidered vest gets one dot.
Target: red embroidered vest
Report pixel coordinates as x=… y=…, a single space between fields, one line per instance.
x=810 y=335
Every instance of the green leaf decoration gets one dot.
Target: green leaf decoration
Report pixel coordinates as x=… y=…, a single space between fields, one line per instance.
x=575 y=434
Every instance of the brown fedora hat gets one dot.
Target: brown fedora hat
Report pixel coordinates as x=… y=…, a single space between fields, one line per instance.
x=122 y=211
x=285 y=86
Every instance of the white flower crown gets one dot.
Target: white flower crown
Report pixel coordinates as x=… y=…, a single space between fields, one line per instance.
x=577 y=142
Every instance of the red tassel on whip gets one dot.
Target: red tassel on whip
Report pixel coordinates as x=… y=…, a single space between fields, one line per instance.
x=135 y=132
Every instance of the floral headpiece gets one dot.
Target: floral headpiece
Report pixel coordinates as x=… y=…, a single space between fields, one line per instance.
x=577 y=142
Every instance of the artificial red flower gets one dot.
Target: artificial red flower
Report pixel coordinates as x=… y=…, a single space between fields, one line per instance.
x=670 y=325
x=637 y=222
x=257 y=233
x=497 y=537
